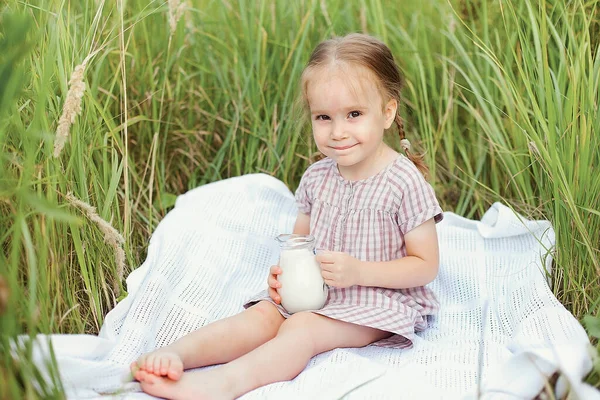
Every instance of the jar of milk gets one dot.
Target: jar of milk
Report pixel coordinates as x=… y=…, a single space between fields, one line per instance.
x=302 y=286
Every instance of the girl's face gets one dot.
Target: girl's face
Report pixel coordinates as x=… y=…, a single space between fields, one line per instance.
x=349 y=117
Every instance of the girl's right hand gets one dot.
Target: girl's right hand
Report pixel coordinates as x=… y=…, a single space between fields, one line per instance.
x=274 y=283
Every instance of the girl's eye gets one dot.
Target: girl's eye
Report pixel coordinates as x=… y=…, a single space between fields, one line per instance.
x=354 y=114
x=322 y=117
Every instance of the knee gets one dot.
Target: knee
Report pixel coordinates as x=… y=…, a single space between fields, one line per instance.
x=300 y=324
x=270 y=317
x=304 y=318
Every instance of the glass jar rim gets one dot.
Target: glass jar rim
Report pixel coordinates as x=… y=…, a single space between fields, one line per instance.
x=294 y=240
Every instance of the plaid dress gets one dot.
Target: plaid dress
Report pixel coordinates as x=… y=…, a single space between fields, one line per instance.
x=368 y=220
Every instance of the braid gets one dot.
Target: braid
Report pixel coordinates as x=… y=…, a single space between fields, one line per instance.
x=417 y=159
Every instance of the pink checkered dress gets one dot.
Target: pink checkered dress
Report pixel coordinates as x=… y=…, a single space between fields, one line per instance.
x=368 y=220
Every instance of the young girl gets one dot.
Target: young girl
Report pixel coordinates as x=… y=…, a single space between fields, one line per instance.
x=368 y=207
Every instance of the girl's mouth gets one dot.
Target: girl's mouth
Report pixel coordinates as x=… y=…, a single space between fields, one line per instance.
x=344 y=147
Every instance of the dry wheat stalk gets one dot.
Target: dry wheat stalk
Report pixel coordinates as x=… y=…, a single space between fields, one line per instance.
x=176 y=9
x=71 y=109
x=111 y=236
x=533 y=148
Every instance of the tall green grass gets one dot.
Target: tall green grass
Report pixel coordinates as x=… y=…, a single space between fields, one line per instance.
x=503 y=97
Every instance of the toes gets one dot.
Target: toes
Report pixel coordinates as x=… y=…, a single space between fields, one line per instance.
x=150 y=379
x=149 y=364
x=175 y=373
x=141 y=361
x=164 y=366
x=133 y=367
x=156 y=367
x=140 y=375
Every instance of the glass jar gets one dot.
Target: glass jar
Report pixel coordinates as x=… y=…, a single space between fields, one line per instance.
x=302 y=286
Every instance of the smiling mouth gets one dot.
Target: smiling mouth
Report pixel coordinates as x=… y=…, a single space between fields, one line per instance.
x=344 y=147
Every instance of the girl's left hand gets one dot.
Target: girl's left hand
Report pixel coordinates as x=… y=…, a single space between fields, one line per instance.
x=339 y=269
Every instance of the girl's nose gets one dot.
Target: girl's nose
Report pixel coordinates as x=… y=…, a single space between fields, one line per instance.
x=338 y=132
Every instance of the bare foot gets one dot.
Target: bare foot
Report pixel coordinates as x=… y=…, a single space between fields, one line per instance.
x=159 y=363
x=192 y=385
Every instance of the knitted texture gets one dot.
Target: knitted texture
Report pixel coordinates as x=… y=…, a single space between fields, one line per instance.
x=213 y=251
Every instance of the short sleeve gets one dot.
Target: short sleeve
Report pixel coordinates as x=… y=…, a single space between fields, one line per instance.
x=303 y=194
x=418 y=202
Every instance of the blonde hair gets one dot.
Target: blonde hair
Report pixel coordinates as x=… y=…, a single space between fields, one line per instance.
x=372 y=54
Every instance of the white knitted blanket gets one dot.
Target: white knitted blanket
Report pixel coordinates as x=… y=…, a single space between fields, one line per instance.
x=500 y=330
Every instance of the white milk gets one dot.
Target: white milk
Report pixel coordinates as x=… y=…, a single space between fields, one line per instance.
x=302 y=286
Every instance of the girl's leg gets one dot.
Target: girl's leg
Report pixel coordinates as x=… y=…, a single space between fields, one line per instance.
x=216 y=343
x=300 y=337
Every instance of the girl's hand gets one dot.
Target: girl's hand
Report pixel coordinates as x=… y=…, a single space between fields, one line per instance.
x=274 y=283
x=339 y=269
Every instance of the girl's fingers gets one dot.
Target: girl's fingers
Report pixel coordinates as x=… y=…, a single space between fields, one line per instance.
x=326 y=275
x=326 y=267
x=331 y=281
x=273 y=282
x=324 y=257
x=274 y=295
x=276 y=270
